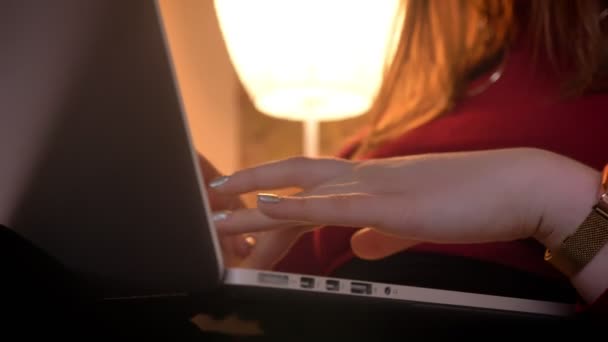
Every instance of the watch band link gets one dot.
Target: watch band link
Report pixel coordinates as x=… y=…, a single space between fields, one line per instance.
x=580 y=247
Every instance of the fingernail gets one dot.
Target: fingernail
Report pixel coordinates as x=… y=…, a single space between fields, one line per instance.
x=218 y=181
x=268 y=198
x=219 y=216
x=250 y=241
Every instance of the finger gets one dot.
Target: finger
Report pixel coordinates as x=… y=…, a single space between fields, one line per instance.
x=243 y=244
x=270 y=248
x=236 y=248
x=345 y=209
x=248 y=221
x=294 y=172
x=370 y=244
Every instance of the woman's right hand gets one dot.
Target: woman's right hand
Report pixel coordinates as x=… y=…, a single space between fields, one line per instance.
x=235 y=248
x=260 y=250
x=274 y=237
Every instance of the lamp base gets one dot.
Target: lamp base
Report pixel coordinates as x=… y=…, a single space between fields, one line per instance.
x=310 y=141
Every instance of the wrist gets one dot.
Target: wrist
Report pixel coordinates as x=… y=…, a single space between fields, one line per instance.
x=573 y=231
x=592 y=280
x=567 y=194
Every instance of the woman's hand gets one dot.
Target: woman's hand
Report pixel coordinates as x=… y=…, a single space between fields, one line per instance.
x=258 y=250
x=273 y=236
x=235 y=248
x=467 y=197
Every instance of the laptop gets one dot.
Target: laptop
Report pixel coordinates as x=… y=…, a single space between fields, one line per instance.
x=116 y=194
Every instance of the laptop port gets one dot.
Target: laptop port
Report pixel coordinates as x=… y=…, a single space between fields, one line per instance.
x=307 y=282
x=274 y=279
x=360 y=288
x=332 y=285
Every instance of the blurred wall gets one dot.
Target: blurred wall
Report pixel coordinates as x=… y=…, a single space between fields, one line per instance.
x=206 y=77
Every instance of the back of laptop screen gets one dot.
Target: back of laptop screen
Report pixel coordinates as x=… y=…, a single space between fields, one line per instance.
x=113 y=191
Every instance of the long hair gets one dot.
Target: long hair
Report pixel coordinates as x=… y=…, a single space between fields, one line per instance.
x=441 y=45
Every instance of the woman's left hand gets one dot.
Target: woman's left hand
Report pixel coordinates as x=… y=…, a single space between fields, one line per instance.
x=465 y=197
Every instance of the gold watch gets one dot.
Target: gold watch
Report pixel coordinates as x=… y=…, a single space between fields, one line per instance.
x=580 y=247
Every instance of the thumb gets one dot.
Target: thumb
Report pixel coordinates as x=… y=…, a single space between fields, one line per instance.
x=371 y=244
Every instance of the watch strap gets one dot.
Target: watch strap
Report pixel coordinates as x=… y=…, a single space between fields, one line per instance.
x=579 y=248
x=590 y=236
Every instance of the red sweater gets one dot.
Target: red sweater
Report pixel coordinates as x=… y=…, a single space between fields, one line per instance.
x=523 y=108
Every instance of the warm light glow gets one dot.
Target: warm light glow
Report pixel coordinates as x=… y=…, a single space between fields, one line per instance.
x=316 y=60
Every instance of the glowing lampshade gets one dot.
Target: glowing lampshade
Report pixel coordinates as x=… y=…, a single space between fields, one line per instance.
x=309 y=60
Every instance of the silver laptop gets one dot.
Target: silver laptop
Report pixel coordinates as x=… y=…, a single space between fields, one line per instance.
x=116 y=192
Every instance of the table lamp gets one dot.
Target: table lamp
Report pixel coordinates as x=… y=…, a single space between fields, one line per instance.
x=309 y=60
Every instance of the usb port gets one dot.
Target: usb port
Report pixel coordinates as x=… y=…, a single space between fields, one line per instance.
x=275 y=279
x=307 y=283
x=332 y=285
x=361 y=288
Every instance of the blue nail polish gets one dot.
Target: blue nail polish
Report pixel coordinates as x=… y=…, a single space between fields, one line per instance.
x=218 y=181
x=268 y=198
x=219 y=216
